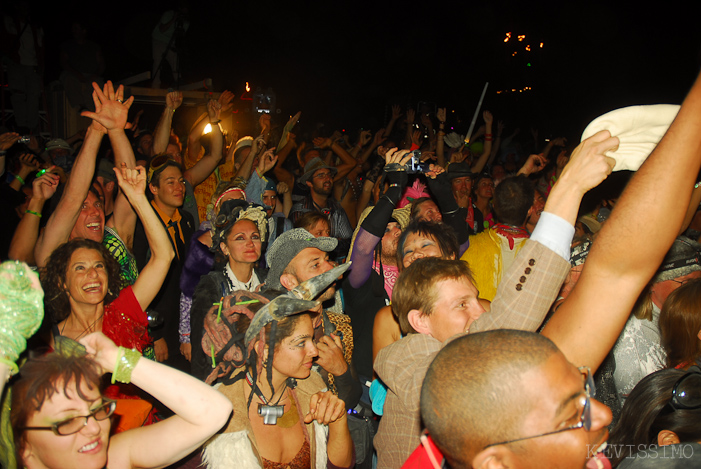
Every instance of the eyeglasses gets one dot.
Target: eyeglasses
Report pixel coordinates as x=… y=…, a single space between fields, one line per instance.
x=686 y=393
x=322 y=175
x=75 y=424
x=584 y=418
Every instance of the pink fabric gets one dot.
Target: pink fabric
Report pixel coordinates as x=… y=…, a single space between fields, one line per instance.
x=391 y=273
x=413 y=192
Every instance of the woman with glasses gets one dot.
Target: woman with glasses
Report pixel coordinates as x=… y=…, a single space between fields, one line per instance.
x=660 y=425
x=237 y=237
x=60 y=419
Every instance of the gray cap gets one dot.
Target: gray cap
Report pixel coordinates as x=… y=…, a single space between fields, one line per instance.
x=682 y=259
x=58 y=143
x=286 y=247
x=104 y=169
x=314 y=165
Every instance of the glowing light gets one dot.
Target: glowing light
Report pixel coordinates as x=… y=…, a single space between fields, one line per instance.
x=508 y=36
x=541 y=45
x=513 y=54
x=248 y=88
x=207 y=129
x=528 y=47
x=528 y=64
x=521 y=38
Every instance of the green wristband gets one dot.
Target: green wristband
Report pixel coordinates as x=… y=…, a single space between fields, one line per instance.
x=126 y=361
x=19 y=178
x=33 y=213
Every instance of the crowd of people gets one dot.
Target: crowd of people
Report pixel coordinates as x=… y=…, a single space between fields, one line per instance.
x=403 y=297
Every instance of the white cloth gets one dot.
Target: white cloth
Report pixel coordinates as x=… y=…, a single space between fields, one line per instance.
x=639 y=129
x=555 y=233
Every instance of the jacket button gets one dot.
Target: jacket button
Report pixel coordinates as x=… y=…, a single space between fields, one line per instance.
x=519 y=287
x=522 y=279
x=528 y=270
x=531 y=262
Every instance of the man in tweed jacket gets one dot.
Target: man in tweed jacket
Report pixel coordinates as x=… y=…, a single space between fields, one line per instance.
x=523 y=298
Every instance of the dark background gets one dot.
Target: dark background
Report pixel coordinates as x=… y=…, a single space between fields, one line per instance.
x=346 y=62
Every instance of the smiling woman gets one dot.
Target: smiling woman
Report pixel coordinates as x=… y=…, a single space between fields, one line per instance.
x=60 y=419
x=82 y=283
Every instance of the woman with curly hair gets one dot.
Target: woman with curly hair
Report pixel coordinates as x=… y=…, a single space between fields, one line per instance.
x=82 y=285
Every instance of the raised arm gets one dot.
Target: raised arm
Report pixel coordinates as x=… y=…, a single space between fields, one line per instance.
x=25 y=237
x=161 y=136
x=630 y=247
x=347 y=161
x=482 y=161
x=60 y=224
x=200 y=410
x=208 y=163
x=133 y=184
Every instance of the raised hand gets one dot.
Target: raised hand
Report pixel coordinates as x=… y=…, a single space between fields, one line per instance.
x=101 y=349
x=434 y=170
x=395 y=156
x=110 y=108
x=533 y=164
x=588 y=165
x=365 y=136
x=440 y=114
x=488 y=118
x=379 y=137
x=325 y=408
x=213 y=110
x=458 y=156
x=264 y=121
x=29 y=162
x=8 y=139
x=426 y=120
x=44 y=187
x=267 y=161
x=131 y=181
x=416 y=137
x=321 y=142
x=174 y=99
x=226 y=99
x=500 y=127
x=282 y=188
x=396 y=112
x=410 y=116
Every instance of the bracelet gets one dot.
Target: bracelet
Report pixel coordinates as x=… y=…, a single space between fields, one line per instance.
x=215 y=122
x=19 y=178
x=487 y=135
x=697 y=185
x=126 y=361
x=394 y=185
x=12 y=365
x=33 y=213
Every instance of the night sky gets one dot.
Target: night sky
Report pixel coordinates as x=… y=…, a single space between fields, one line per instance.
x=346 y=62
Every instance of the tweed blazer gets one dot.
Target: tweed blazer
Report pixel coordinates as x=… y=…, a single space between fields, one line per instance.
x=523 y=298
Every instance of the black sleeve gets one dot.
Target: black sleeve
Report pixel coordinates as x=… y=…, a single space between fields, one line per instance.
x=349 y=388
x=453 y=215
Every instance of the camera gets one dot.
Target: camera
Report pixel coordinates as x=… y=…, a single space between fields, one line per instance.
x=25 y=139
x=270 y=413
x=414 y=165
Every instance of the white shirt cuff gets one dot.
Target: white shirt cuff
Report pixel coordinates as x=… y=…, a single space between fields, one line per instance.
x=554 y=233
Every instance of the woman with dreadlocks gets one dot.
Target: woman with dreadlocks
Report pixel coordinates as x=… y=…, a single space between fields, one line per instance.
x=237 y=236
x=263 y=351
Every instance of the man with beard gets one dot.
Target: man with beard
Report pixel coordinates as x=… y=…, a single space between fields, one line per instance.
x=319 y=177
x=296 y=256
x=369 y=284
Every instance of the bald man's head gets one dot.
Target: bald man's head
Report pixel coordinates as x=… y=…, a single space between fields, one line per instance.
x=473 y=394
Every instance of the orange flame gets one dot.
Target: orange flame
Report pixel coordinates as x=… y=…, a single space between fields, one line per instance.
x=248 y=88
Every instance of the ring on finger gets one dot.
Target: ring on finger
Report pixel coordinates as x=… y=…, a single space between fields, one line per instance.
x=120 y=100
